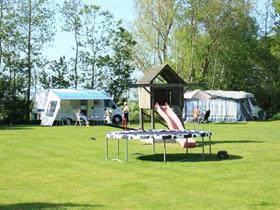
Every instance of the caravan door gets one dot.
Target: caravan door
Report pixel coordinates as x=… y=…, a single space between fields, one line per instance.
x=98 y=110
x=50 y=112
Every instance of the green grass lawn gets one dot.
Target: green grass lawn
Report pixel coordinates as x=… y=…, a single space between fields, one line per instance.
x=61 y=168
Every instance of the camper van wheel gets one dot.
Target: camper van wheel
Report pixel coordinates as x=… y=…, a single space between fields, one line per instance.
x=261 y=115
x=67 y=121
x=117 y=119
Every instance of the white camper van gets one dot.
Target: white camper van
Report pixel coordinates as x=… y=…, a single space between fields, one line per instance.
x=63 y=104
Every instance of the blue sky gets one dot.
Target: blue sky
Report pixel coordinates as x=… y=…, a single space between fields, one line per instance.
x=121 y=9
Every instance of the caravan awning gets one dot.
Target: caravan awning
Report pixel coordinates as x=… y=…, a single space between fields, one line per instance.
x=67 y=94
x=208 y=94
x=197 y=95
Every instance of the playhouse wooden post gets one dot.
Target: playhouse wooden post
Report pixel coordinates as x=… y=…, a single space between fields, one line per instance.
x=152 y=119
x=152 y=106
x=141 y=117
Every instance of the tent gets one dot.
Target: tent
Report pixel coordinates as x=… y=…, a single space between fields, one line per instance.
x=224 y=106
x=62 y=104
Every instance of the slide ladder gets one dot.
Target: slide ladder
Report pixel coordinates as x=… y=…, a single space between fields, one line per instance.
x=174 y=123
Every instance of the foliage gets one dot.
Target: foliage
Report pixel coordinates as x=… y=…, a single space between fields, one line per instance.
x=119 y=66
x=12 y=102
x=71 y=13
x=153 y=30
x=215 y=43
x=58 y=76
x=36 y=27
x=133 y=111
x=99 y=25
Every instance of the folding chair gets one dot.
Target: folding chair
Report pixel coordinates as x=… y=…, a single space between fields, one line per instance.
x=205 y=117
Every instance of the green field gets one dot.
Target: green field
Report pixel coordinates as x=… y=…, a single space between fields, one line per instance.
x=63 y=168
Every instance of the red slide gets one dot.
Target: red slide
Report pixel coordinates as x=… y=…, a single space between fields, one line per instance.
x=174 y=123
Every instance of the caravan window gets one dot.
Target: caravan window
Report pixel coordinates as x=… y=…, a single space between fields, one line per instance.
x=51 y=108
x=84 y=102
x=96 y=102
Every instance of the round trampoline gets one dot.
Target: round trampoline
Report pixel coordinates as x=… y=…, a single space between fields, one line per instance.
x=156 y=136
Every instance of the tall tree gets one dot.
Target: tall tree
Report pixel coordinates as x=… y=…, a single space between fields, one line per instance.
x=36 y=26
x=153 y=31
x=97 y=27
x=119 y=66
x=71 y=13
x=208 y=33
x=276 y=29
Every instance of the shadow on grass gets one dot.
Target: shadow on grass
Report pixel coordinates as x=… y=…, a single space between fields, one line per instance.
x=183 y=157
x=232 y=142
x=43 y=205
x=7 y=127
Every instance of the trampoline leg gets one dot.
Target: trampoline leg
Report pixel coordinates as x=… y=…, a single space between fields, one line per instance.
x=210 y=152
x=202 y=148
x=154 y=147
x=164 y=155
x=126 y=149
x=118 y=148
x=106 y=142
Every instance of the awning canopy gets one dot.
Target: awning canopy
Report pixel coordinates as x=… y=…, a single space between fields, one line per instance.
x=69 y=94
x=197 y=94
x=208 y=94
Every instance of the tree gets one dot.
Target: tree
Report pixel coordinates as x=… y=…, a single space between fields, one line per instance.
x=153 y=31
x=71 y=13
x=214 y=41
x=119 y=66
x=36 y=27
x=276 y=38
x=97 y=27
x=56 y=76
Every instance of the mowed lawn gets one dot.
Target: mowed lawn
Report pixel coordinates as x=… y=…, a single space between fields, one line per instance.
x=62 y=167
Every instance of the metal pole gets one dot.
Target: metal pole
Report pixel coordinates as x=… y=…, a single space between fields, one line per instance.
x=202 y=148
x=126 y=149
x=164 y=155
x=106 y=142
x=187 y=149
x=118 y=148
x=154 y=148
x=210 y=146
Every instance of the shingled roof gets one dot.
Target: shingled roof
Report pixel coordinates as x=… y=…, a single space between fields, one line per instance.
x=165 y=71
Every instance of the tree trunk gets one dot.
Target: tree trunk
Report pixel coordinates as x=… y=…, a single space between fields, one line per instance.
x=29 y=62
x=76 y=60
x=1 y=29
x=93 y=71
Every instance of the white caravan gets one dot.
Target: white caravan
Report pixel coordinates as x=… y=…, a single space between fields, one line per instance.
x=63 y=104
x=224 y=106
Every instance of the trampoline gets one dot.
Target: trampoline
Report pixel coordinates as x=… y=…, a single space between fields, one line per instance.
x=156 y=136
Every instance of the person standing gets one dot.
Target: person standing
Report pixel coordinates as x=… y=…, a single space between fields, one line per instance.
x=125 y=120
x=196 y=115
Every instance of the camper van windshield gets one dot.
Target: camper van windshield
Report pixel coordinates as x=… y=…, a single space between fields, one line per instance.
x=253 y=101
x=110 y=103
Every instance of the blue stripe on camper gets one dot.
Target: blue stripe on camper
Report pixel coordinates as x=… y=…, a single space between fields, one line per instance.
x=81 y=94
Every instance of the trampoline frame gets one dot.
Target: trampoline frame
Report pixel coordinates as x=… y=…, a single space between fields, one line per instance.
x=154 y=135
